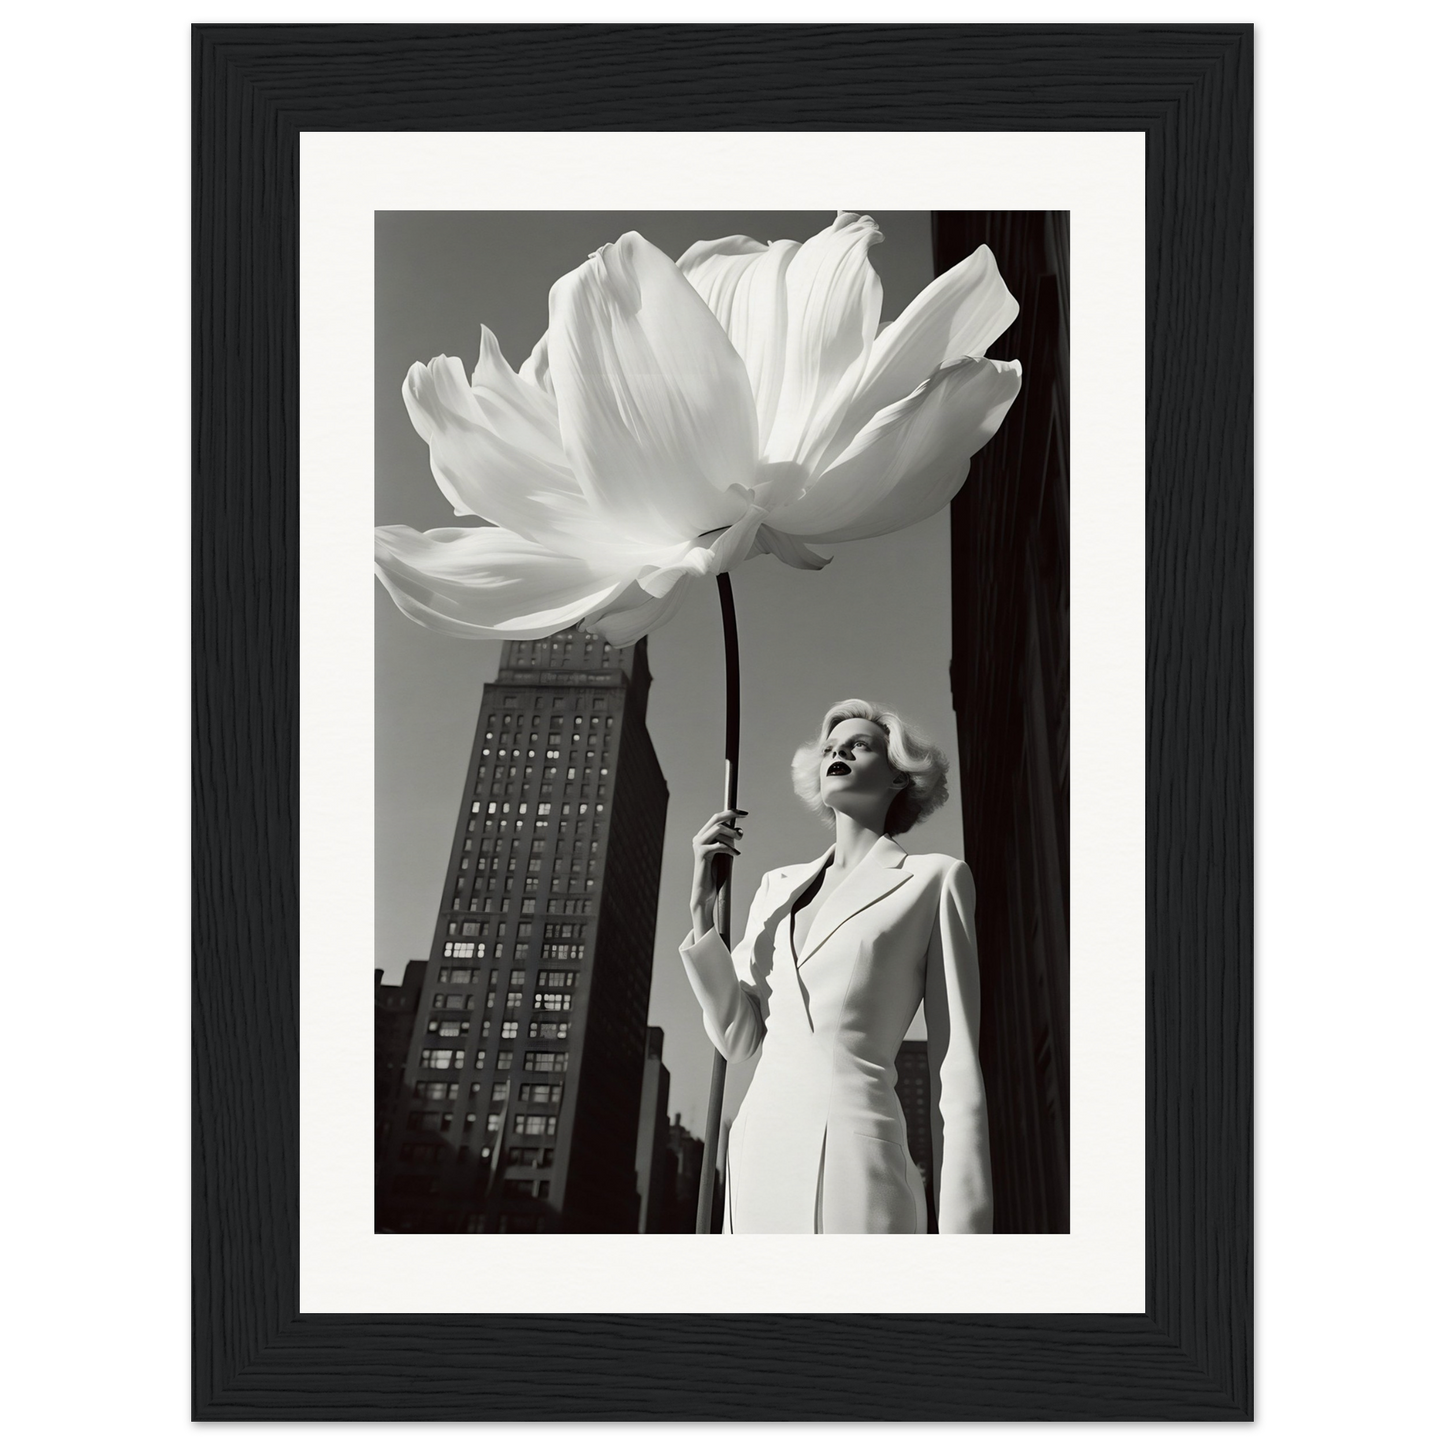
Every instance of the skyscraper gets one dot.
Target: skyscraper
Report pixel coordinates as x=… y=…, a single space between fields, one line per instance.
x=913 y=1087
x=524 y=1077
x=653 y=1156
x=396 y=1006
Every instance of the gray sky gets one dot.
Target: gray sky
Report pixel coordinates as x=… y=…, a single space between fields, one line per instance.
x=873 y=624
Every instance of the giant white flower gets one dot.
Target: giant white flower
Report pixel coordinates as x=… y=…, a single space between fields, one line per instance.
x=677 y=419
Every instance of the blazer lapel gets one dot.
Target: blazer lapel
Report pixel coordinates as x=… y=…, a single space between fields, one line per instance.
x=875 y=877
x=793 y=880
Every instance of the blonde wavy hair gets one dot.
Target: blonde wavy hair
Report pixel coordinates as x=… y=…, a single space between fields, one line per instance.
x=908 y=752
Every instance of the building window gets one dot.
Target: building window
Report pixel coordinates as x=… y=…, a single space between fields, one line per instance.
x=460 y=975
x=552 y=1003
x=564 y=930
x=545 y=1124
x=540 y=1061
x=556 y=978
x=504 y=1061
x=499 y=1091
x=514 y=998
x=540 y=1094
x=433 y=1089
x=546 y=1029
x=457 y=950
x=509 y=1028
x=481 y=1063
x=441 y=1058
x=564 y=952
x=471 y=928
x=494 y=1122
x=452 y=1000
x=449 y=1028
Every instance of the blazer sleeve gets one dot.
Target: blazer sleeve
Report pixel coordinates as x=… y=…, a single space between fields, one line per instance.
x=734 y=999
x=964 y=1180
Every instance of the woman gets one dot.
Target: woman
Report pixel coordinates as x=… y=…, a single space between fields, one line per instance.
x=825 y=981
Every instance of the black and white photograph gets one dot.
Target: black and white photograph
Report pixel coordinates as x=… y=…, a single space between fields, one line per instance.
x=856 y=850
x=722 y=722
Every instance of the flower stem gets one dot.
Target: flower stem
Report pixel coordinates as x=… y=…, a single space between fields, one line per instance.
x=723 y=915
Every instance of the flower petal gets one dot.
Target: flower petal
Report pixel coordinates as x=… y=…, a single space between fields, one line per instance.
x=495 y=458
x=656 y=410
x=910 y=459
x=481 y=582
x=534 y=369
x=790 y=550
x=509 y=404
x=834 y=299
x=961 y=313
x=744 y=285
x=633 y=614
x=706 y=558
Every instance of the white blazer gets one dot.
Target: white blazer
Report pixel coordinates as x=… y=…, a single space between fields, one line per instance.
x=819 y=1145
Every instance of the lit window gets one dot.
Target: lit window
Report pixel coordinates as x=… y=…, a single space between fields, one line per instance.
x=504 y=1060
x=499 y=1092
x=545 y=1061
x=441 y=1058
x=547 y=1029
x=509 y=1028
x=433 y=1089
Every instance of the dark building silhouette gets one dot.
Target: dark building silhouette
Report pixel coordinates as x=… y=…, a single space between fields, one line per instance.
x=1010 y=534
x=913 y=1088
x=653 y=1174
x=681 y=1215
x=523 y=1080
x=395 y=1020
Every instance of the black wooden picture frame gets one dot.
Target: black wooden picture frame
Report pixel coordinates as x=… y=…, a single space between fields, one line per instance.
x=1188 y=1356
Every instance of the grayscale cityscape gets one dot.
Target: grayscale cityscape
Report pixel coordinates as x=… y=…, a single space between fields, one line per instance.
x=523 y=1083
x=519 y=1087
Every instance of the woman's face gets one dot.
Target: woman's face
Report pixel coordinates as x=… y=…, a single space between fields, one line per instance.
x=854 y=773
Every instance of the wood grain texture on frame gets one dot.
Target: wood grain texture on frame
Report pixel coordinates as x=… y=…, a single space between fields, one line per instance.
x=1188 y=88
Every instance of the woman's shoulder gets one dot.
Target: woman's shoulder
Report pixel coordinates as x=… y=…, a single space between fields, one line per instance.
x=942 y=871
x=941 y=864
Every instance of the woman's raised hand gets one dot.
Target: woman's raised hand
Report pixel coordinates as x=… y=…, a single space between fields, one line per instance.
x=717 y=838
